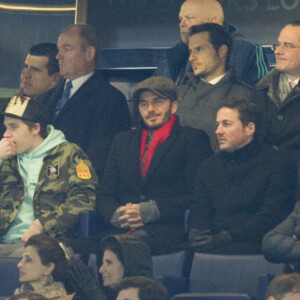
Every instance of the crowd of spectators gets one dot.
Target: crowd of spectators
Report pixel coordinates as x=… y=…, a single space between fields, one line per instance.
x=219 y=142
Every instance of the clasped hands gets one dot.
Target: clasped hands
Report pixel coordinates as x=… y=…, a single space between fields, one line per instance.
x=130 y=216
x=205 y=240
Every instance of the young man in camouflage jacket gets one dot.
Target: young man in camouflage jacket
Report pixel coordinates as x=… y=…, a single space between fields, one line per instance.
x=45 y=183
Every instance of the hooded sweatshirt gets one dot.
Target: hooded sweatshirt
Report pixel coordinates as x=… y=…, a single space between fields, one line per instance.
x=29 y=166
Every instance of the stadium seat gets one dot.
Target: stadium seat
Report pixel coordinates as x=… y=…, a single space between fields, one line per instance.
x=213 y=273
x=90 y=223
x=9 y=275
x=212 y=296
x=171 y=271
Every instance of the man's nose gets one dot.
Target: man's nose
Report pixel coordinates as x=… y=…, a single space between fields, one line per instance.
x=6 y=134
x=25 y=72
x=182 y=23
x=58 y=55
x=219 y=130
x=191 y=57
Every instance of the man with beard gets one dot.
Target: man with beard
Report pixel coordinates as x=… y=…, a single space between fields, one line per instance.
x=149 y=177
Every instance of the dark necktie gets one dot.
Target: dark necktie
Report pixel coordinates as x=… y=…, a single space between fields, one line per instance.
x=64 y=98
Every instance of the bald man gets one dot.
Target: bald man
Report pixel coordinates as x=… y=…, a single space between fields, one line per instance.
x=248 y=59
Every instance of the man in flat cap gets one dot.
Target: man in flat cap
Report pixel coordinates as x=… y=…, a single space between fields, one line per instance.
x=46 y=184
x=150 y=172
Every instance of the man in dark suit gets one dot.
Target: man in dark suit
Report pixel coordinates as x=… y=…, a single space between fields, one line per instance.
x=87 y=109
x=150 y=172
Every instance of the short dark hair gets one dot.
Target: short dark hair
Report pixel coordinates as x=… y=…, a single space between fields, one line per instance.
x=28 y=295
x=112 y=244
x=283 y=284
x=49 y=50
x=49 y=251
x=218 y=36
x=248 y=111
x=149 y=289
x=43 y=131
x=88 y=37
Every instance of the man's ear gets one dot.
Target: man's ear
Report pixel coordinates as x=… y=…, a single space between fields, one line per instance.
x=174 y=105
x=251 y=128
x=36 y=129
x=90 y=53
x=223 y=50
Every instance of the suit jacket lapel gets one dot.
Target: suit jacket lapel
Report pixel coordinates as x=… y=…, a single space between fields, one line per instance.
x=133 y=161
x=88 y=87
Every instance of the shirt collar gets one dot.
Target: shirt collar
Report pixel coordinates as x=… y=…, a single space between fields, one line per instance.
x=215 y=80
x=78 y=82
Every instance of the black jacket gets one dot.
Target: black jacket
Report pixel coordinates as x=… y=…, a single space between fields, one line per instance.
x=92 y=117
x=246 y=193
x=281 y=119
x=169 y=181
x=282 y=243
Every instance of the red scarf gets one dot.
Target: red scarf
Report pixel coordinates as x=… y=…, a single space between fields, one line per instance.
x=160 y=135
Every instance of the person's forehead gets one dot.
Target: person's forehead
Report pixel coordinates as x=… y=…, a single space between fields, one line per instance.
x=10 y=120
x=226 y=113
x=291 y=296
x=36 y=61
x=70 y=37
x=108 y=254
x=290 y=32
x=201 y=37
x=129 y=294
x=192 y=8
x=30 y=250
x=144 y=95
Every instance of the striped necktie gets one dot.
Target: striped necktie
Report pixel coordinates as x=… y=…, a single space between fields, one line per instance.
x=64 y=98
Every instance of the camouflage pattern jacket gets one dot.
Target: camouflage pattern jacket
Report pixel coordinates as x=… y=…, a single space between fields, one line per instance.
x=67 y=185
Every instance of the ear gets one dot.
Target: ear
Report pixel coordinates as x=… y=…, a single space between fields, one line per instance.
x=250 y=128
x=36 y=129
x=223 y=50
x=174 y=106
x=90 y=53
x=50 y=268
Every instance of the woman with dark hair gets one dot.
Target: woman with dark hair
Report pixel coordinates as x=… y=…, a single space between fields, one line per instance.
x=48 y=268
x=43 y=267
x=122 y=256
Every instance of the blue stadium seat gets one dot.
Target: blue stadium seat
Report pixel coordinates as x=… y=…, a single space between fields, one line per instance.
x=212 y=296
x=213 y=273
x=90 y=223
x=9 y=275
x=171 y=270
